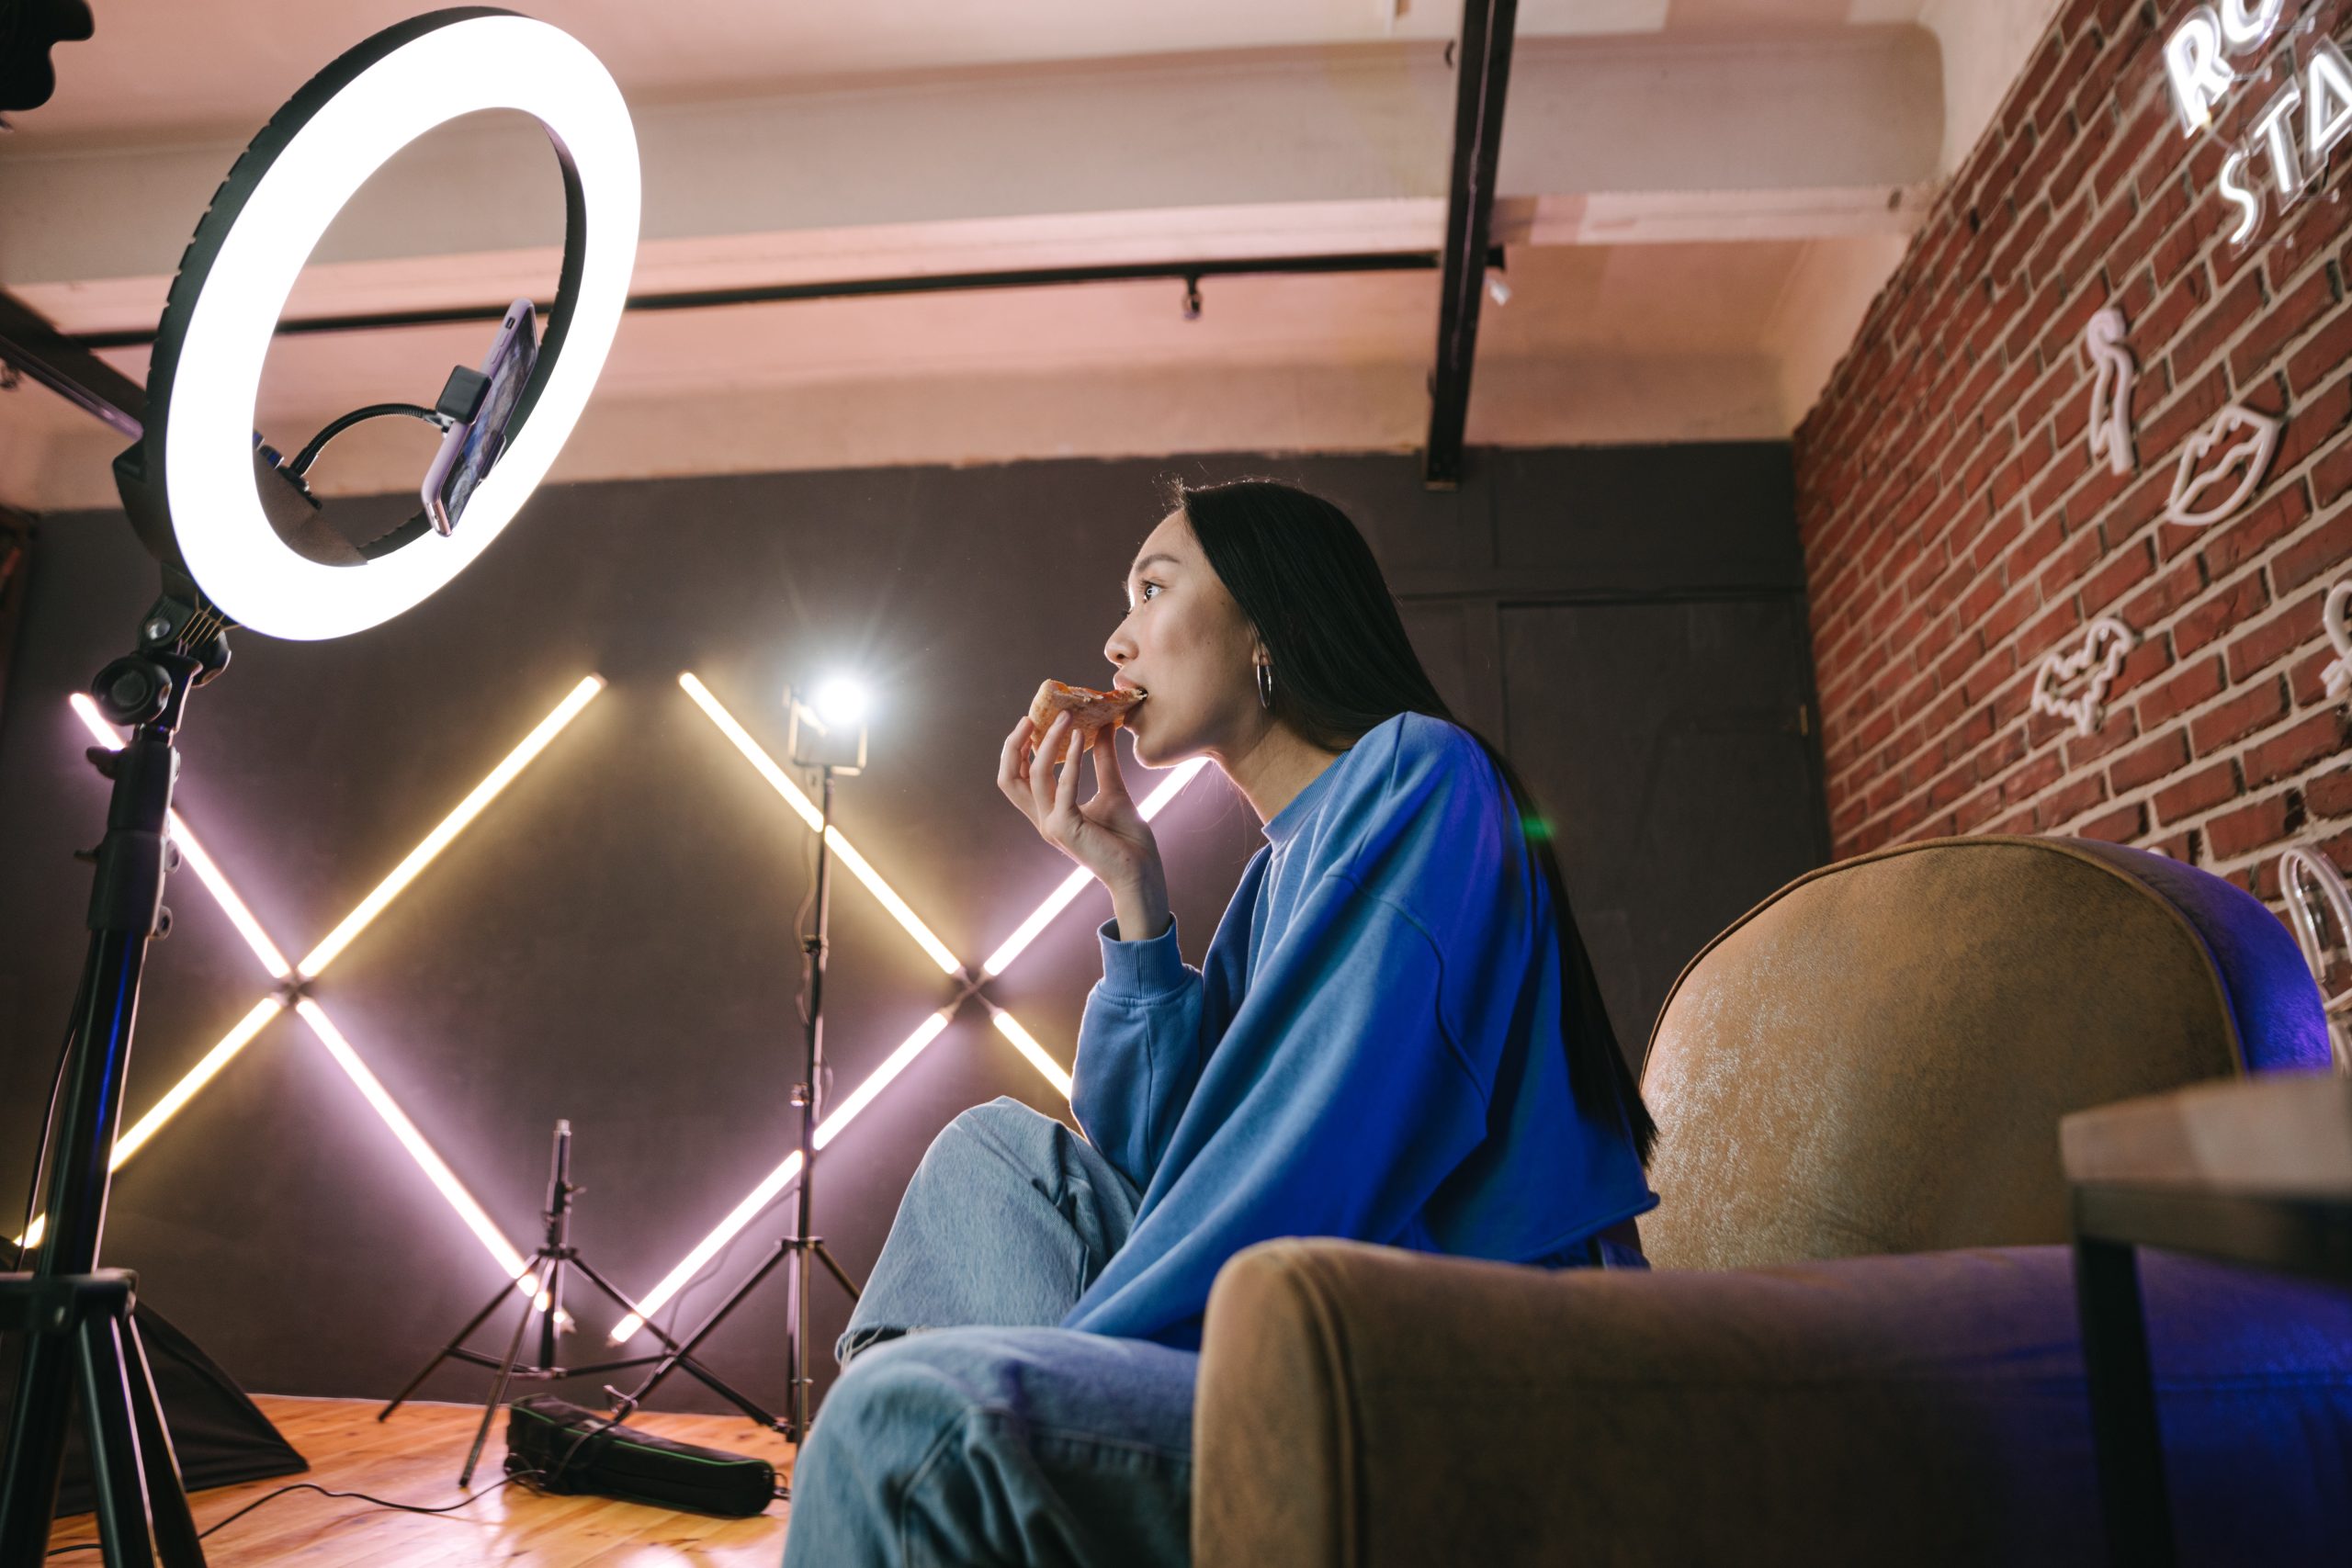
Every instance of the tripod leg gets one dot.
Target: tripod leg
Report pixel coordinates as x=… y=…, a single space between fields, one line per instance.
x=450 y=1348
x=682 y=1354
x=176 y=1538
x=613 y=1290
x=796 y=1346
x=36 y=1458
x=674 y=1356
x=825 y=1257
x=497 y=1393
x=113 y=1446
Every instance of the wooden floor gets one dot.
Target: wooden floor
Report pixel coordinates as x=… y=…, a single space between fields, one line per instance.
x=414 y=1458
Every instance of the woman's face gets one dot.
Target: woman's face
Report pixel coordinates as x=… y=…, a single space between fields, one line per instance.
x=1186 y=643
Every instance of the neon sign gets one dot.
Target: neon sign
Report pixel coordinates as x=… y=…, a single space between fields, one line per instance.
x=2209 y=55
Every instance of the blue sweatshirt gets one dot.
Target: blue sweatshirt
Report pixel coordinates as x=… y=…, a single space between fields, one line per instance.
x=1372 y=1049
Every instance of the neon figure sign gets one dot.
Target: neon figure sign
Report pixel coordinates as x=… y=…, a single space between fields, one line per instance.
x=2206 y=58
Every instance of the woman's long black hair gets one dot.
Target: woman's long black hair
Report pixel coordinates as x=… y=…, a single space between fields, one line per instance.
x=1307 y=581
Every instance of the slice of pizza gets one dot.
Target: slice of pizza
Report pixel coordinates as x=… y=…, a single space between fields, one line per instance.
x=1091 y=711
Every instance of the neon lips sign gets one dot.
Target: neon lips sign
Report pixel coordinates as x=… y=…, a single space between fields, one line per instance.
x=2209 y=55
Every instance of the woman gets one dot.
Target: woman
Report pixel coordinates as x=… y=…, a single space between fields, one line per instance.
x=1395 y=1037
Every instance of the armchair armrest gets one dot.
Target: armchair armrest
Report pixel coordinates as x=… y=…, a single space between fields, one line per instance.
x=1361 y=1406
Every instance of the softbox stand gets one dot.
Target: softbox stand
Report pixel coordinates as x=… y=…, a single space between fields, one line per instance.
x=219 y=1435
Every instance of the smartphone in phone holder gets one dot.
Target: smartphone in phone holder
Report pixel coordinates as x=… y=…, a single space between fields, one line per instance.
x=482 y=405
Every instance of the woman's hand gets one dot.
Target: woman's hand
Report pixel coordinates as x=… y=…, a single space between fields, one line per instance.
x=1106 y=834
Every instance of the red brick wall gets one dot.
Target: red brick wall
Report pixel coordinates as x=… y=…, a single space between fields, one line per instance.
x=1956 y=530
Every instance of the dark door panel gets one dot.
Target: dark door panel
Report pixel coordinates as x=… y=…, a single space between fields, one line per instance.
x=1664 y=742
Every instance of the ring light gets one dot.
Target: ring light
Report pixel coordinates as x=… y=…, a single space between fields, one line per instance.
x=193 y=486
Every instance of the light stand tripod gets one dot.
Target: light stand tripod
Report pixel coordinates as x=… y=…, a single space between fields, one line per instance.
x=799 y=1246
x=546 y=1266
x=81 y=1335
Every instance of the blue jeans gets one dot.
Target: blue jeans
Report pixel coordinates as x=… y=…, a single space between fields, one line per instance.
x=966 y=1427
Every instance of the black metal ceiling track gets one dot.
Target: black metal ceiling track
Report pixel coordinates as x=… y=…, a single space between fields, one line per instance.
x=69 y=369
x=1482 y=76
x=1186 y=272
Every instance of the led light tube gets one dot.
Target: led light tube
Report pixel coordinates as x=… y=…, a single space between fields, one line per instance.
x=220 y=1056
x=318 y=957
x=129 y=1143
x=1075 y=883
x=776 y=1182
x=1027 y=1044
x=435 y=1171
x=798 y=798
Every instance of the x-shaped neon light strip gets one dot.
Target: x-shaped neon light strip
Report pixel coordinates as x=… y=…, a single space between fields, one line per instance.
x=295 y=979
x=777 y=1181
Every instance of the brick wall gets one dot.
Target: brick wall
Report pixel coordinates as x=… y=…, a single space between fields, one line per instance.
x=1957 y=531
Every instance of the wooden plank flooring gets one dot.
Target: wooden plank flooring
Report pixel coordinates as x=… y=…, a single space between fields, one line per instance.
x=414 y=1458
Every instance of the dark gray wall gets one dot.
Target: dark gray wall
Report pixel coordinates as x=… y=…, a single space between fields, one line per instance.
x=610 y=943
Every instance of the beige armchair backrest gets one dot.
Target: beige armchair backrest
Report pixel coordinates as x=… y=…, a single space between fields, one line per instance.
x=1874 y=1059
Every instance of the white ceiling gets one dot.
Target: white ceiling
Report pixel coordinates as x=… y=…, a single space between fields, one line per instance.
x=215 y=64
x=1672 y=277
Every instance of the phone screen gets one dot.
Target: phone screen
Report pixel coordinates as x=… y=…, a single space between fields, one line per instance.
x=478 y=446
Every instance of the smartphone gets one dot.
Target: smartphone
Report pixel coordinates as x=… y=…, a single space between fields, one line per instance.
x=471 y=447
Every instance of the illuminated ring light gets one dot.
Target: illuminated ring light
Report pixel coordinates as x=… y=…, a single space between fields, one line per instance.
x=332 y=136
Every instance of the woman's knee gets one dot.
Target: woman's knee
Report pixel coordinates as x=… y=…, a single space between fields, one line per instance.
x=889 y=1401
x=1003 y=1132
x=884 y=1422
x=1005 y=1117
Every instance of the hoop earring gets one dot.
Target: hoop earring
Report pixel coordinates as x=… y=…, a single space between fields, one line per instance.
x=1266 y=687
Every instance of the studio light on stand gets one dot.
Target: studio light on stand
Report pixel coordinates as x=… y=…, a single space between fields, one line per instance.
x=241 y=540
x=825 y=730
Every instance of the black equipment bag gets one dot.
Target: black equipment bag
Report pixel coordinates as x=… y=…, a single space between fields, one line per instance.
x=577 y=1451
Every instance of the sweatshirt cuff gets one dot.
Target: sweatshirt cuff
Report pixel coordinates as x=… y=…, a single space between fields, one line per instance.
x=1140 y=969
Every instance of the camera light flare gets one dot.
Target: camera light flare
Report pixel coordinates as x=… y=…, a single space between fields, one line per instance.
x=1075 y=883
x=318 y=957
x=842 y=699
x=773 y=1185
x=207 y=870
x=806 y=809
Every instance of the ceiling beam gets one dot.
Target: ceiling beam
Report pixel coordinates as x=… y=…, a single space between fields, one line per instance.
x=1482 y=82
x=30 y=345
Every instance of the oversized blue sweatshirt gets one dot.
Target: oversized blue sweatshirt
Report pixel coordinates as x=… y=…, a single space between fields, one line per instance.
x=1372 y=1049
